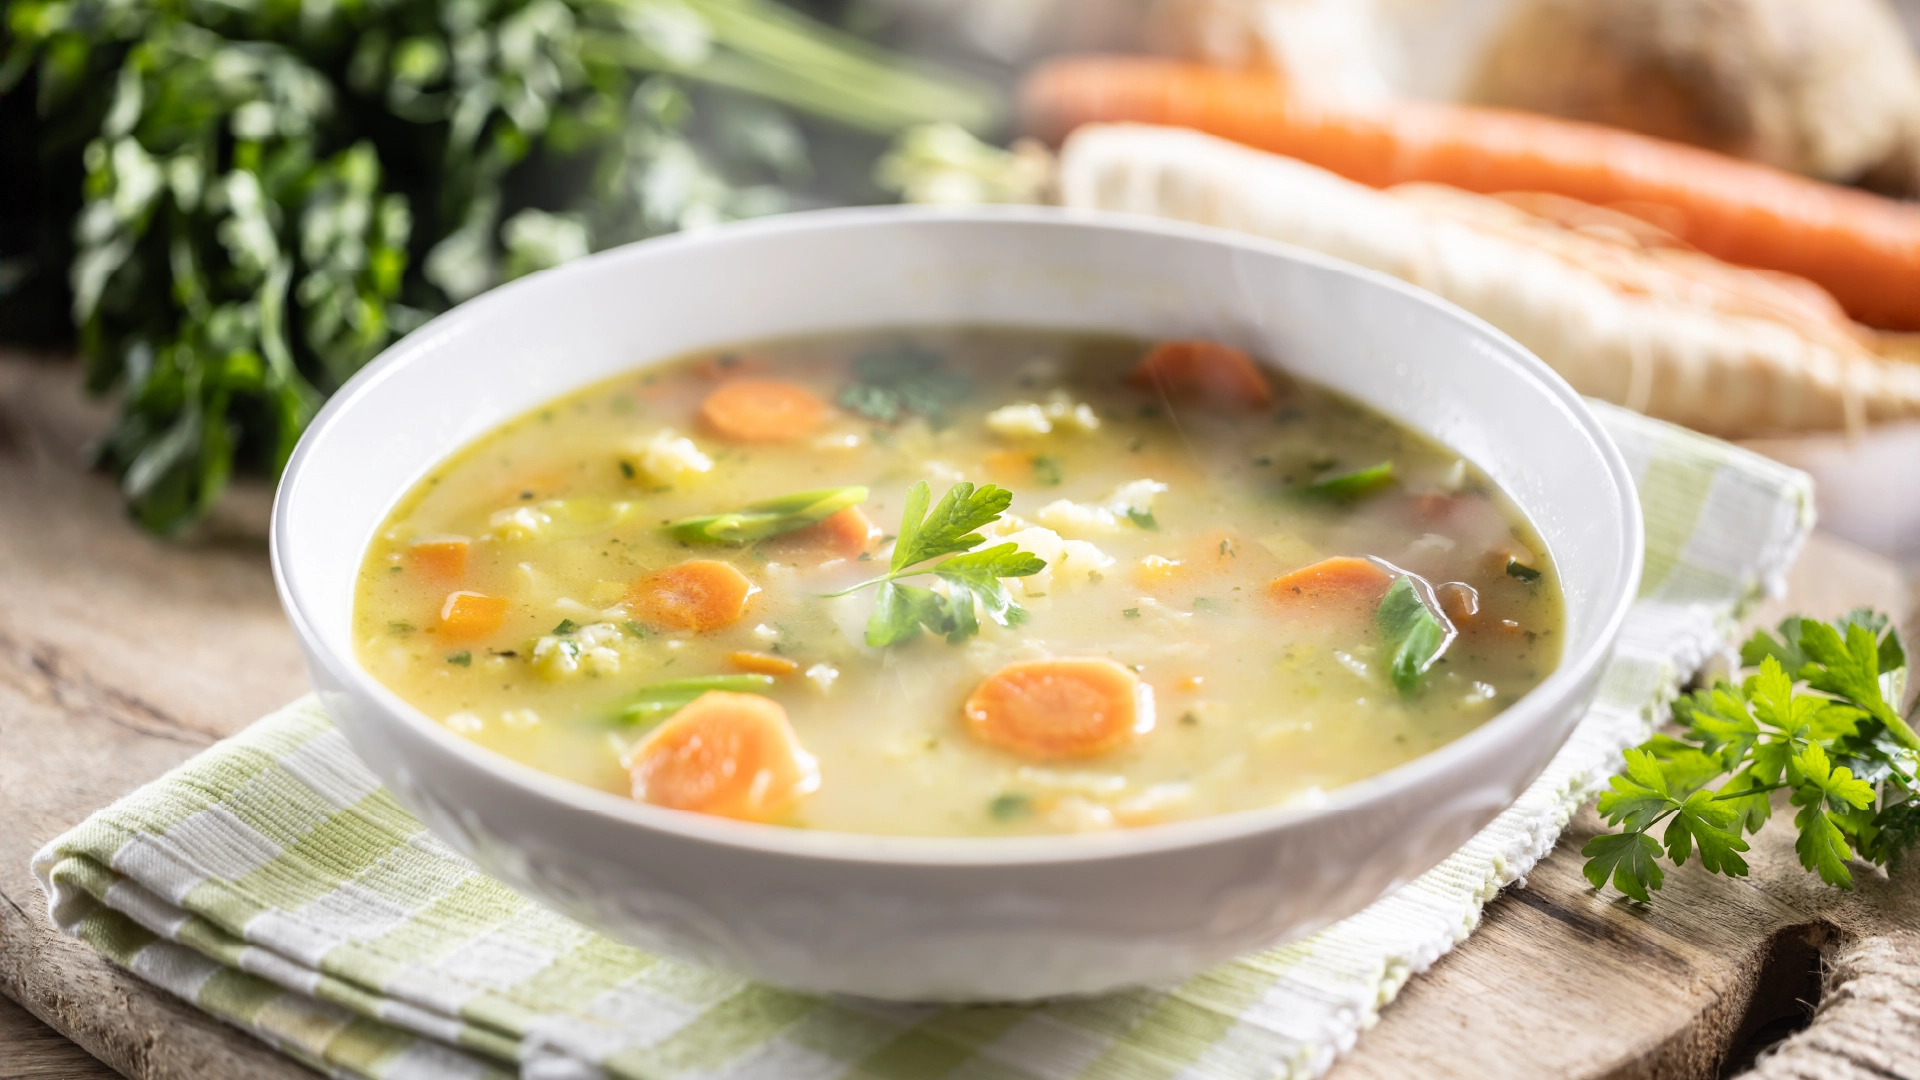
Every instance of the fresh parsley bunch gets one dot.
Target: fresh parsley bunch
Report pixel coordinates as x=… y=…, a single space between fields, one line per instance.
x=248 y=199
x=948 y=533
x=1816 y=717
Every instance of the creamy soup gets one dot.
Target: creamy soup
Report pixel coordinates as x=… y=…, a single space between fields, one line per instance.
x=972 y=581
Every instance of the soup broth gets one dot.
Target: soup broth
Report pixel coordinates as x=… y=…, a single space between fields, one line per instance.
x=1213 y=588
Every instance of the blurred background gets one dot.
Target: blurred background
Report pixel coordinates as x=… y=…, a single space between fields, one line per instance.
x=212 y=212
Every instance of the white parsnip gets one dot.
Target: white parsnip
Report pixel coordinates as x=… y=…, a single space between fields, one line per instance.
x=1620 y=309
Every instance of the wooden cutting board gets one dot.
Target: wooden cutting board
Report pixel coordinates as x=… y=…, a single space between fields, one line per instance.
x=121 y=656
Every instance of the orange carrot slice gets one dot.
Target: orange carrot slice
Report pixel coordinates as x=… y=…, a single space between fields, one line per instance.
x=1011 y=466
x=439 y=560
x=731 y=755
x=842 y=535
x=467 y=615
x=1339 y=584
x=1205 y=371
x=763 y=411
x=1064 y=708
x=1459 y=602
x=762 y=663
x=700 y=595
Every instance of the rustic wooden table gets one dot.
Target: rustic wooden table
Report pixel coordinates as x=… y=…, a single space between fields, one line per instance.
x=121 y=656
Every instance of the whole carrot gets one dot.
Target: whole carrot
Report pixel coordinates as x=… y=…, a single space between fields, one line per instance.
x=1862 y=248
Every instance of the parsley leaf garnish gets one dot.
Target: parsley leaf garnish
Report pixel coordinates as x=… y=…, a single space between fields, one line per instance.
x=1415 y=633
x=906 y=379
x=975 y=580
x=1632 y=859
x=768 y=517
x=1812 y=717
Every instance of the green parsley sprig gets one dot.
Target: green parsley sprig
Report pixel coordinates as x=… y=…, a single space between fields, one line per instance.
x=1416 y=633
x=1817 y=717
x=948 y=533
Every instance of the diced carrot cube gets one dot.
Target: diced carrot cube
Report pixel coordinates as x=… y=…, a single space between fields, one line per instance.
x=467 y=615
x=439 y=560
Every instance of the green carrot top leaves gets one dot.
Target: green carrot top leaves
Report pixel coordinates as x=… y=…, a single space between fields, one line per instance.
x=973 y=579
x=1814 y=717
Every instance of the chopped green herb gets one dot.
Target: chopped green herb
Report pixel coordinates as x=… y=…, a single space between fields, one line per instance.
x=1010 y=807
x=626 y=469
x=1131 y=613
x=975 y=577
x=1353 y=485
x=1144 y=518
x=905 y=379
x=567 y=626
x=768 y=517
x=1210 y=606
x=1518 y=569
x=400 y=629
x=635 y=629
x=463 y=658
x=1415 y=635
x=396 y=569
x=651 y=704
x=1046 y=471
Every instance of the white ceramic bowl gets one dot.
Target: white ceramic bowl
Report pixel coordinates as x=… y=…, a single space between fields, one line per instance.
x=937 y=918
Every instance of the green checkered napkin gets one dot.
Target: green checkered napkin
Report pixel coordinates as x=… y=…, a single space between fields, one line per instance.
x=271 y=882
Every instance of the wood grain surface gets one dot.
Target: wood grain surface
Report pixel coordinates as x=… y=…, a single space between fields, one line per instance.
x=121 y=656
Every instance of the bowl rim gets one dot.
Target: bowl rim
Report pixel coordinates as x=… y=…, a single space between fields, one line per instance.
x=869 y=848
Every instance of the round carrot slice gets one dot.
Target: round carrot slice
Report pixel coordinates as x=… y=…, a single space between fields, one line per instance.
x=843 y=535
x=700 y=595
x=1205 y=371
x=763 y=411
x=1335 y=596
x=732 y=755
x=1063 y=708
